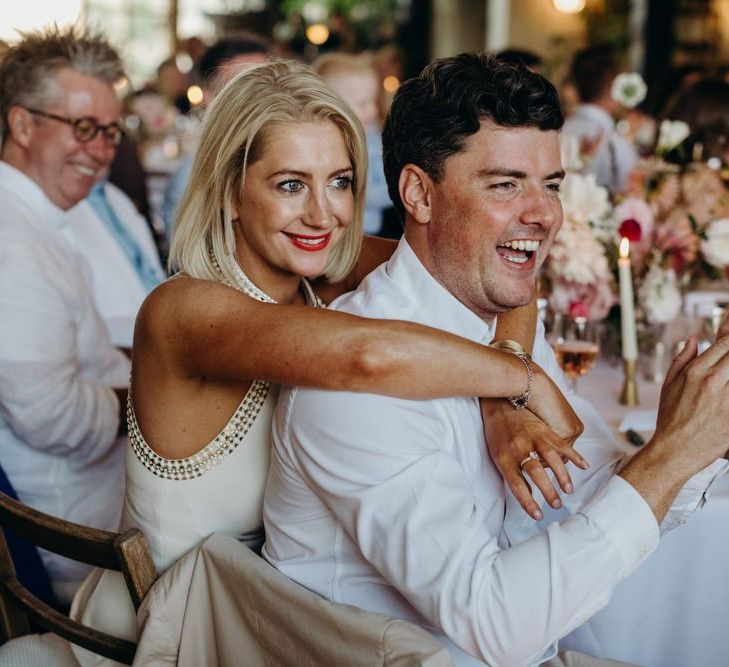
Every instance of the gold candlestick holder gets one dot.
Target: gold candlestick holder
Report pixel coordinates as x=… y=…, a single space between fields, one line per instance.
x=629 y=395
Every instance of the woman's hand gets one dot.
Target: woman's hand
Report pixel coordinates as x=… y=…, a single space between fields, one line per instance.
x=549 y=404
x=512 y=434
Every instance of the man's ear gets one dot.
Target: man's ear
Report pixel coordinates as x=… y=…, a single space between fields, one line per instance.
x=21 y=126
x=416 y=193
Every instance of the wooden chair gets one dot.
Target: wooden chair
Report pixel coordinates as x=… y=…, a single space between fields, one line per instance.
x=125 y=552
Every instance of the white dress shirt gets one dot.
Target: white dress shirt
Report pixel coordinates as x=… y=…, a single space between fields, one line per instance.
x=58 y=413
x=614 y=156
x=118 y=291
x=395 y=506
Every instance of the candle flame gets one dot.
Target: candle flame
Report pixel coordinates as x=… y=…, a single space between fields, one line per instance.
x=625 y=248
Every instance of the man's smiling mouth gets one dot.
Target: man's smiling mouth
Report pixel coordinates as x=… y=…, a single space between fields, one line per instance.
x=519 y=251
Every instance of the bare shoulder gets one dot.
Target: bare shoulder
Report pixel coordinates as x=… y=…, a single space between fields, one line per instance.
x=183 y=303
x=185 y=320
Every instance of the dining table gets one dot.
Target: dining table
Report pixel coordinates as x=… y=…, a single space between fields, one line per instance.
x=673 y=611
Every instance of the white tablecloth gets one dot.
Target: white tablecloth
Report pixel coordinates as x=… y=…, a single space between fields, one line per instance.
x=674 y=610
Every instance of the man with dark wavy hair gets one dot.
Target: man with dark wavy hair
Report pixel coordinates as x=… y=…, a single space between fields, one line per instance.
x=62 y=383
x=394 y=505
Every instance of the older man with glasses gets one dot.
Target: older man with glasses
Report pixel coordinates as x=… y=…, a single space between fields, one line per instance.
x=62 y=383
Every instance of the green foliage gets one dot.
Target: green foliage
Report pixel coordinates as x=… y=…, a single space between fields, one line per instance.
x=608 y=21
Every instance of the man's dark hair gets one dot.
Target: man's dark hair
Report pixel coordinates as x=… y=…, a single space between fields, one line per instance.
x=434 y=113
x=228 y=48
x=520 y=57
x=593 y=70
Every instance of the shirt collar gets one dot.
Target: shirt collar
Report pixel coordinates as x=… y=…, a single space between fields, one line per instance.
x=596 y=114
x=435 y=304
x=26 y=190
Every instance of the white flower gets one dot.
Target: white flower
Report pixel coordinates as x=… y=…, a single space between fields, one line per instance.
x=659 y=295
x=671 y=134
x=583 y=199
x=629 y=89
x=715 y=247
x=577 y=255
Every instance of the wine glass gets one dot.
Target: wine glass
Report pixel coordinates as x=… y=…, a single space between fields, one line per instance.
x=577 y=348
x=705 y=323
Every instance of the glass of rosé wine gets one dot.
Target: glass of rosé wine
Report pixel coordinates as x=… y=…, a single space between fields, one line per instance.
x=577 y=348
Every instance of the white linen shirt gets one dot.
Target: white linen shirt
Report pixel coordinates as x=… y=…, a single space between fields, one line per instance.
x=117 y=288
x=394 y=505
x=614 y=156
x=58 y=413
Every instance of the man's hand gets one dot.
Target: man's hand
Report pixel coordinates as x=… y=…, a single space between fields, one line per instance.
x=693 y=413
x=510 y=436
x=693 y=424
x=724 y=328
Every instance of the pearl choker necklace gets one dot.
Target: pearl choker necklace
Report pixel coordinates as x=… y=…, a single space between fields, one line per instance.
x=245 y=285
x=242 y=281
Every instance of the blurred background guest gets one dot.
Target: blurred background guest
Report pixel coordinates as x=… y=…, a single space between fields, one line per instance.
x=118 y=247
x=172 y=85
x=220 y=63
x=127 y=173
x=592 y=121
x=61 y=378
x=355 y=79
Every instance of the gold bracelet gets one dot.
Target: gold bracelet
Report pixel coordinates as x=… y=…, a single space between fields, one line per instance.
x=512 y=346
x=517 y=350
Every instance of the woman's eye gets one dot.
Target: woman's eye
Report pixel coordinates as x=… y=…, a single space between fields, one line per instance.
x=342 y=182
x=291 y=186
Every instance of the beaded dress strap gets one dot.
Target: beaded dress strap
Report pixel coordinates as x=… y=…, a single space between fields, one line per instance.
x=231 y=436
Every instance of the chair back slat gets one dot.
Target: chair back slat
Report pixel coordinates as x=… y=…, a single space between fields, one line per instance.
x=100 y=643
x=127 y=553
x=88 y=545
x=136 y=563
x=13 y=619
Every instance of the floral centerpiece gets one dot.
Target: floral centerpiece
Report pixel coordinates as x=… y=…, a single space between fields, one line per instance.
x=677 y=220
x=681 y=236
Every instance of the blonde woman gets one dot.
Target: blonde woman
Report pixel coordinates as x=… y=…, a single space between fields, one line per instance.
x=275 y=199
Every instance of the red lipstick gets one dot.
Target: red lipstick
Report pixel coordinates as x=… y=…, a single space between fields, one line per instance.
x=310 y=243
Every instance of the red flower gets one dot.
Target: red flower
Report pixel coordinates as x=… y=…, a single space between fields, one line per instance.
x=630 y=229
x=579 y=309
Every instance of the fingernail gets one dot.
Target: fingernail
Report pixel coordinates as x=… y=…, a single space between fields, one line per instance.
x=538 y=515
x=568 y=487
x=585 y=463
x=557 y=504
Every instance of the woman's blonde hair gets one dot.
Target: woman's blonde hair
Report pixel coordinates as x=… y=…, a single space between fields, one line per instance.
x=232 y=137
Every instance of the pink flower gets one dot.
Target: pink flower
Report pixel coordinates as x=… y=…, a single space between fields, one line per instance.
x=675 y=237
x=576 y=299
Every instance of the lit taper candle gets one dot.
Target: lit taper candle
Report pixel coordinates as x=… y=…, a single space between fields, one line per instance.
x=627 y=305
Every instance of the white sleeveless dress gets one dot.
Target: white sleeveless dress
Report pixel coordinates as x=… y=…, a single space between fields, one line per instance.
x=177 y=503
